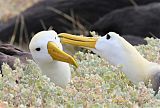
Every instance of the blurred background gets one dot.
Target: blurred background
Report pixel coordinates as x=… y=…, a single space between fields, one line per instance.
x=132 y=19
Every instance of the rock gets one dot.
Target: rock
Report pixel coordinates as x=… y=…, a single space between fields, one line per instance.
x=85 y=11
x=137 y=21
x=135 y=40
x=8 y=54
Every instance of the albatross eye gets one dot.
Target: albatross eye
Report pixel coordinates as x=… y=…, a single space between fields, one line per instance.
x=108 y=37
x=38 y=49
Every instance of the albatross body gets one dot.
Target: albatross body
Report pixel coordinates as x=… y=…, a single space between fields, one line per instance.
x=118 y=51
x=48 y=53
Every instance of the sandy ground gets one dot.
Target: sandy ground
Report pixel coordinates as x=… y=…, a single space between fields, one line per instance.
x=10 y=8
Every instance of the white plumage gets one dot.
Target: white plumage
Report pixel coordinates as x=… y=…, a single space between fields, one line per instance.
x=118 y=51
x=47 y=52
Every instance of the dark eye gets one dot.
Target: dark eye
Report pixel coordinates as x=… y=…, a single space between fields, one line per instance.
x=108 y=36
x=38 y=49
x=55 y=38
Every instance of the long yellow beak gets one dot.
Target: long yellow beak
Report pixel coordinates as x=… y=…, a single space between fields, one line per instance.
x=60 y=55
x=89 y=42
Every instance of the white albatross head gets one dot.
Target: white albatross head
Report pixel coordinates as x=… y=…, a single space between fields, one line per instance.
x=118 y=51
x=112 y=47
x=48 y=53
x=45 y=47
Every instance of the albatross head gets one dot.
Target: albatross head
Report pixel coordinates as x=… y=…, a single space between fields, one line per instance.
x=111 y=46
x=45 y=47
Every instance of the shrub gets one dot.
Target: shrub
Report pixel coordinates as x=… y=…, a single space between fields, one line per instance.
x=95 y=84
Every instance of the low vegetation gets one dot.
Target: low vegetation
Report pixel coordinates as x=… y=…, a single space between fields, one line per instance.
x=95 y=84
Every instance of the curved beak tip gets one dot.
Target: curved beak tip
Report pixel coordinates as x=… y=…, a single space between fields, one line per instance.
x=60 y=55
x=76 y=65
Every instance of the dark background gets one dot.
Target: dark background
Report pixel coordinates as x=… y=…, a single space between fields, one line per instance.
x=132 y=19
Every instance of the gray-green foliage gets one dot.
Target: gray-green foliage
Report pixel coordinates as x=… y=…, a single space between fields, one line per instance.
x=95 y=84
